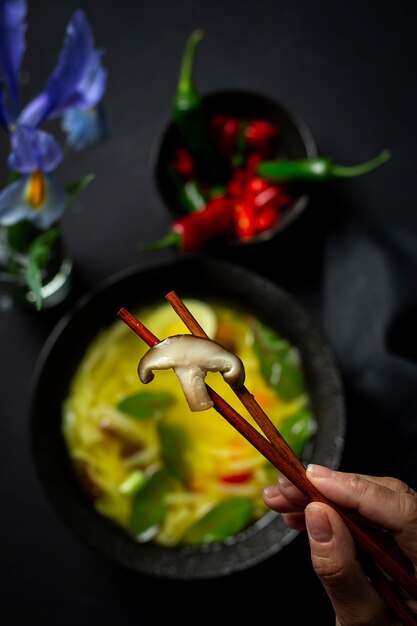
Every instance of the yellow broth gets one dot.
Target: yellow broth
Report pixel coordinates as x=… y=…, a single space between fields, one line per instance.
x=115 y=453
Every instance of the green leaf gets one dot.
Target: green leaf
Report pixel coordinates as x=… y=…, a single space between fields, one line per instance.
x=33 y=277
x=279 y=361
x=21 y=235
x=223 y=521
x=149 y=506
x=145 y=404
x=40 y=248
x=38 y=256
x=174 y=443
x=72 y=189
x=298 y=429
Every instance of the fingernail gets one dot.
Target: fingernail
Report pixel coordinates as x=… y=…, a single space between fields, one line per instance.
x=283 y=481
x=271 y=491
x=318 y=524
x=319 y=471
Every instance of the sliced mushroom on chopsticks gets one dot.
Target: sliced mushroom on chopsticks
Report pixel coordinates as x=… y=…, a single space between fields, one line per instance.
x=191 y=358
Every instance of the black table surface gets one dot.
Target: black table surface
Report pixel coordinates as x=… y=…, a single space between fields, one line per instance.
x=348 y=69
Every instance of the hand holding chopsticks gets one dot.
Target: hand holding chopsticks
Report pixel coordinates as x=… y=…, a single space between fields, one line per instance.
x=388 y=501
x=382 y=558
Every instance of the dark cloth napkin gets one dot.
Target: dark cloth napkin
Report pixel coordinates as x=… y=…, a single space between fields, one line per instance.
x=370 y=318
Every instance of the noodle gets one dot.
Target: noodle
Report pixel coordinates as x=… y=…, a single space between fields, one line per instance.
x=132 y=447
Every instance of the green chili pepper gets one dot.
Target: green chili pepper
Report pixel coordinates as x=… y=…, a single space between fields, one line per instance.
x=317 y=168
x=189 y=114
x=188 y=193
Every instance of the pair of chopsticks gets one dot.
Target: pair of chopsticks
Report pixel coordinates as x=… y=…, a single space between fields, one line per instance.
x=388 y=568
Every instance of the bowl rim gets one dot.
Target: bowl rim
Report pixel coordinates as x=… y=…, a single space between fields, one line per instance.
x=294 y=118
x=264 y=538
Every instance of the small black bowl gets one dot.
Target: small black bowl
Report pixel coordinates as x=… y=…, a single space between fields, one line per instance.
x=63 y=352
x=295 y=142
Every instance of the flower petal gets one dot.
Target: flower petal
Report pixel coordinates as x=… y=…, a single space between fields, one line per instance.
x=85 y=127
x=5 y=117
x=33 y=149
x=15 y=207
x=34 y=111
x=93 y=84
x=78 y=79
x=12 y=38
x=12 y=206
x=54 y=207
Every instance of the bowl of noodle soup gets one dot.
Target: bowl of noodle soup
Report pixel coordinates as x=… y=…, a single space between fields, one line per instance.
x=130 y=469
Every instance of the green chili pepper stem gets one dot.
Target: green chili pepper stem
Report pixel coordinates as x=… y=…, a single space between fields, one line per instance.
x=317 y=168
x=171 y=239
x=190 y=117
x=357 y=170
x=186 y=93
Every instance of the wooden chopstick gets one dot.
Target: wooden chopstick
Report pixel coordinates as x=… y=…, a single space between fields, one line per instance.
x=293 y=468
x=290 y=464
x=247 y=399
x=379 y=546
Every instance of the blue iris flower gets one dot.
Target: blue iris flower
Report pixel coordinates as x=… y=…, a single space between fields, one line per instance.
x=73 y=92
x=78 y=81
x=85 y=127
x=36 y=196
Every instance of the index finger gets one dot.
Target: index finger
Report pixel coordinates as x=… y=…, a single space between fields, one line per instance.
x=386 y=501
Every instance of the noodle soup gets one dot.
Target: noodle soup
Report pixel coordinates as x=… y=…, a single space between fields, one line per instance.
x=161 y=472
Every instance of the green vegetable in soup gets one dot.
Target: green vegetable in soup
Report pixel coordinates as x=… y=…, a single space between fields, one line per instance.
x=174 y=444
x=149 y=505
x=298 y=429
x=145 y=404
x=160 y=471
x=223 y=521
x=279 y=361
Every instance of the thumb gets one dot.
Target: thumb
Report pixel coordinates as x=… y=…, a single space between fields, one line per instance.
x=334 y=559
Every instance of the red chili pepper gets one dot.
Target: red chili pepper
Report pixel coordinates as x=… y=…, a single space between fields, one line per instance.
x=252 y=163
x=225 y=132
x=245 y=225
x=243 y=477
x=237 y=183
x=198 y=229
x=184 y=163
x=268 y=195
x=261 y=135
x=258 y=203
x=257 y=185
x=267 y=218
x=241 y=177
x=245 y=205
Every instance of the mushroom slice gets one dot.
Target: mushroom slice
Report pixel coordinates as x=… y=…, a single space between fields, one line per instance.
x=191 y=358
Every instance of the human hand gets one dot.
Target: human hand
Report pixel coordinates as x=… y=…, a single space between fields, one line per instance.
x=386 y=501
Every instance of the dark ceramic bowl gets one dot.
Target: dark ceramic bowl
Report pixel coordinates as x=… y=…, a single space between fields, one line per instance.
x=295 y=142
x=63 y=352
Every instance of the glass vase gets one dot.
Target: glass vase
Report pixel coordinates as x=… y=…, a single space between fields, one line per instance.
x=56 y=275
